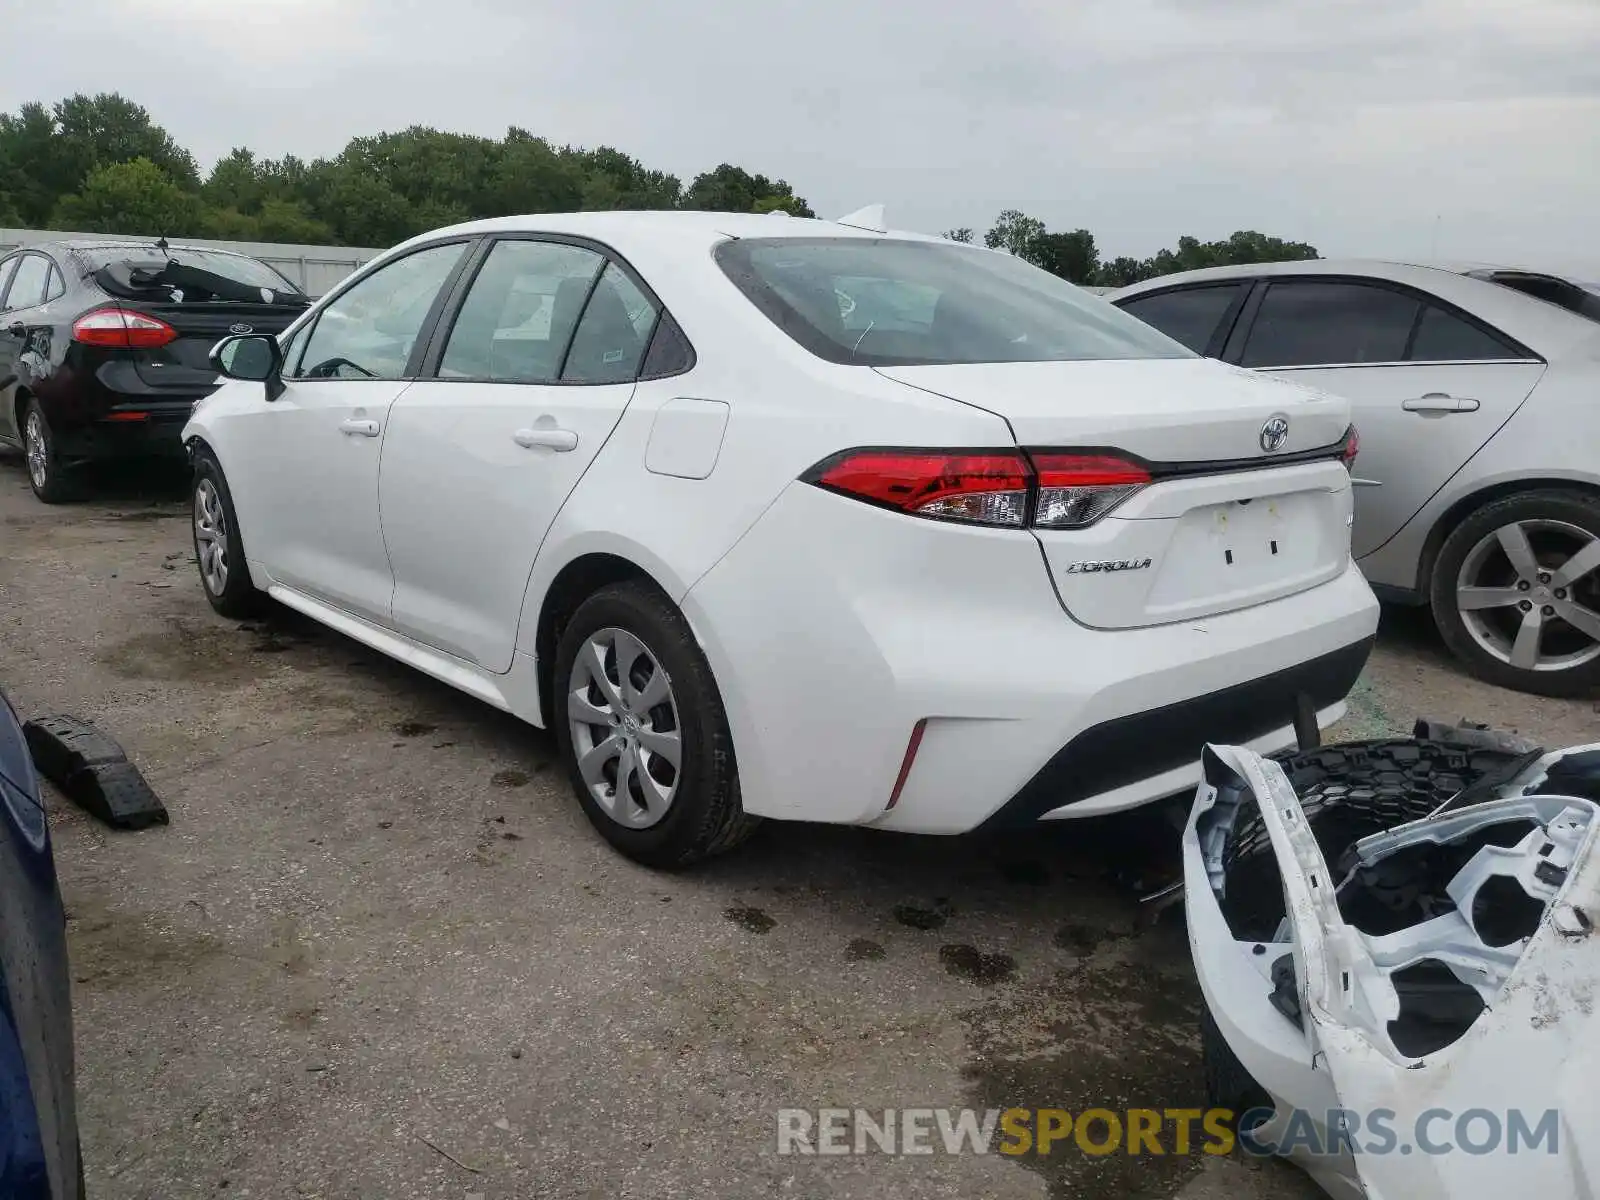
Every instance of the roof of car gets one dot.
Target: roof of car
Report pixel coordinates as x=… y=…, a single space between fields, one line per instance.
x=1330 y=266
x=695 y=225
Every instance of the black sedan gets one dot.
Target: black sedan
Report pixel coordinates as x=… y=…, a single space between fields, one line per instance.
x=104 y=346
x=39 y=1157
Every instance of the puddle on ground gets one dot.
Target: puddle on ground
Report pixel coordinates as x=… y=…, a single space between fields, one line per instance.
x=183 y=651
x=916 y=917
x=753 y=919
x=863 y=950
x=1118 y=1036
x=973 y=965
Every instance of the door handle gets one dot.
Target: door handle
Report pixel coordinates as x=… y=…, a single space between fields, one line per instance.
x=355 y=428
x=549 y=438
x=1438 y=404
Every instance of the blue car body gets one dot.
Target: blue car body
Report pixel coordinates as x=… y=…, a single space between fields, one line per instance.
x=39 y=1157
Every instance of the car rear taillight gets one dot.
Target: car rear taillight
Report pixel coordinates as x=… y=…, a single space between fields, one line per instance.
x=1350 y=448
x=1078 y=489
x=979 y=488
x=120 y=329
x=1060 y=490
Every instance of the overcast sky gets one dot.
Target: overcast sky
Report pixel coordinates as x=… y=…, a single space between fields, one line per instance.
x=1379 y=127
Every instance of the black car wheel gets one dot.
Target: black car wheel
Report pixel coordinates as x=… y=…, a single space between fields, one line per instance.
x=46 y=475
x=642 y=729
x=1516 y=592
x=218 y=550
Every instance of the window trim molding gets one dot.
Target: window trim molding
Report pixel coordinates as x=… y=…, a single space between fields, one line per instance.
x=408 y=372
x=1424 y=298
x=439 y=337
x=21 y=257
x=1223 y=330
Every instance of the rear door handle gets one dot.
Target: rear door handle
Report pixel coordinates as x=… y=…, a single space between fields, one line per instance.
x=1438 y=403
x=548 y=437
x=359 y=428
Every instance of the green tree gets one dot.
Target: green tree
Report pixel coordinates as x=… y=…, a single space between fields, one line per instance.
x=1014 y=232
x=733 y=189
x=27 y=165
x=1120 y=272
x=963 y=234
x=135 y=197
x=1072 y=256
x=96 y=131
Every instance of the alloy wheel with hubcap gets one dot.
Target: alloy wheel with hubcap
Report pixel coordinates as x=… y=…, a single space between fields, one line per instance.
x=623 y=719
x=641 y=728
x=1529 y=594
x=211 y=536
x=37 y=449
x=1515 y=591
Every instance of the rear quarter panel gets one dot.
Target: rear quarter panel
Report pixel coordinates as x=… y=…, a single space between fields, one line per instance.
x=1552 y=440
x=785 y=414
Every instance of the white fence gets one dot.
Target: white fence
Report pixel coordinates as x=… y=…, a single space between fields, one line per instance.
x=314 y=269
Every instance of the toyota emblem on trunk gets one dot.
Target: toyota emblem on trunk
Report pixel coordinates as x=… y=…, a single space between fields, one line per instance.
x=1275 y=433
x=241 y=328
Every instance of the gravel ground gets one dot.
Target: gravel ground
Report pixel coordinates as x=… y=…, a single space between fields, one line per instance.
x=379 y=953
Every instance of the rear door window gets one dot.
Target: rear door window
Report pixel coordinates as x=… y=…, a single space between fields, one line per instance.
x=1444 y=337
x=370 y=330
x=613 y=333
x=28 y=284
x=1188 y=315
x=519 y=313
x=1303 y=323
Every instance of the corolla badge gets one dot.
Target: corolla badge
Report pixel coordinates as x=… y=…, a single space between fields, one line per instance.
x=241 y=328
x=1275 y=433
x=1112 y=564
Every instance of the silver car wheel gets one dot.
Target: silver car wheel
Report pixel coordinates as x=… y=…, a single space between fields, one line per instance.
x=1529 y=594
x=625 y=731
x=34 y=445
x=211 y=536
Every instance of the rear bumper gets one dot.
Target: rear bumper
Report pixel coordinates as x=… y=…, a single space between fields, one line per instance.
x=1145 y=756
x=835 y=628
x=133 y=428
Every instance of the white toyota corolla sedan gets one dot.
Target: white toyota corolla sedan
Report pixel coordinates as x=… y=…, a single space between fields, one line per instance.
x=771 y=517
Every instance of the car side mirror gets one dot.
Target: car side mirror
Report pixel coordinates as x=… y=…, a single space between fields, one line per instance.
x=251 y=357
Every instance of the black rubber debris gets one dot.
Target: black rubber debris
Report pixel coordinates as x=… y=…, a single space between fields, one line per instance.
x=93 y=772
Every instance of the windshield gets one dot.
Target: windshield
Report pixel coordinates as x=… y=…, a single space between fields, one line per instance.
x=127 y=270
x=895 y=302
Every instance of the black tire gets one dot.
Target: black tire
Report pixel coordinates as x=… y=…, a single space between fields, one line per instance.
x=238 y=596
x=58 y=484
x=705 y=816
x=1573 y=508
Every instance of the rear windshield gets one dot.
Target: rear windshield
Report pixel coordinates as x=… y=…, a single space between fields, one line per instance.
x=192 y=274
x=895 y=302
x=1571 y=294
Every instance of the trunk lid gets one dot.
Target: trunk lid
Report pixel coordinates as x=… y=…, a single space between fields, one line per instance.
x=1224 y=523
x=1168 y=410
x=184 y=363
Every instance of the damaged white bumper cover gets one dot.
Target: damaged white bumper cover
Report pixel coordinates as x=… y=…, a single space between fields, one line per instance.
x=1440 y=985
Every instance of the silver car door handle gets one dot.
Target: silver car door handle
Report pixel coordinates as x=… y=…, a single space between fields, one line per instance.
x=1439 y=402
x=549 y=438
x=363 y=428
